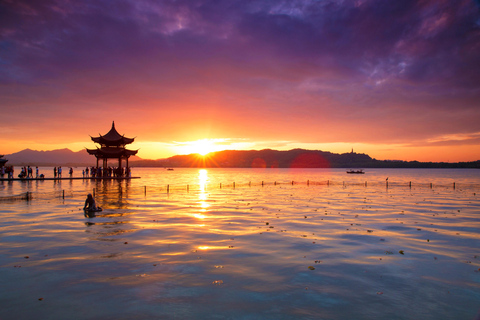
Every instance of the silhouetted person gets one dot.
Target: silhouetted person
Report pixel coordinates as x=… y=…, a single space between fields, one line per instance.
x=90 y=204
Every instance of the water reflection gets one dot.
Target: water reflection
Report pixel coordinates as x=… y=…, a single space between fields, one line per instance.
x=202 y=182
x=273 y=252
x=113 y=194
x=114 y=221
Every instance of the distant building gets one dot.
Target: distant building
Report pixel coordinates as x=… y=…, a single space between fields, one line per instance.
x=112 y=146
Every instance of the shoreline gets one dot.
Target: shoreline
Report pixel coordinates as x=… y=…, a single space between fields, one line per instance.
x=69 y=178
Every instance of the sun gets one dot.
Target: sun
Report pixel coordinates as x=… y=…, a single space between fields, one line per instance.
x=202 y=147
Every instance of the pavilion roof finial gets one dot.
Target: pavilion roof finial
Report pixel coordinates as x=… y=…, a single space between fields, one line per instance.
x=112 y=138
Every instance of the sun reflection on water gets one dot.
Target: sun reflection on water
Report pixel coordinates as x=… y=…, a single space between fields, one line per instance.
x=203 y=179
x=199 y=216
x=202 y=183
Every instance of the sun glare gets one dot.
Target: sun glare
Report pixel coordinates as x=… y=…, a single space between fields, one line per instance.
x=202 y=147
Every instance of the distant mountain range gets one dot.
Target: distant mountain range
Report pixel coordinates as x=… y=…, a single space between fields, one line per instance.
x=296 y=158
x=65 y=157
x=60 y=157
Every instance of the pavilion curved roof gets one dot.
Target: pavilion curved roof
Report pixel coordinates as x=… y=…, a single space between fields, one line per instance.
x=112 y=152
x=112 y=138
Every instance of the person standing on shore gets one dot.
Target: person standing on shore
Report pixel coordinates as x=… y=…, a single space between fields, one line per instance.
x=59 y=172
x=36 y=172
x=55 y=172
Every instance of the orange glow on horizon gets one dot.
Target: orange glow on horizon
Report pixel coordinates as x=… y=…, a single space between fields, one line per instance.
x=202 y=147
x=422 y=151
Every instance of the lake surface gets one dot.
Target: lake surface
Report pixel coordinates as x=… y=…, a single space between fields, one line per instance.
x=244 y=244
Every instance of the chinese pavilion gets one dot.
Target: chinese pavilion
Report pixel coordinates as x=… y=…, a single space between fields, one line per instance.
x=112 y=146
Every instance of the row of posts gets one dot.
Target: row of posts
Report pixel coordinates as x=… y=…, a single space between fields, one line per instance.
x=275 y=183
x=249 y=184
x=29 y=194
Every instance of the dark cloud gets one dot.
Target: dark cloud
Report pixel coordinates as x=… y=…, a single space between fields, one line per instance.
x=411 y=40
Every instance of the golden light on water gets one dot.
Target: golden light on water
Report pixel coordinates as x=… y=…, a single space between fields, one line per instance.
x=199 y=216
x=203 y=178
x=202 y=183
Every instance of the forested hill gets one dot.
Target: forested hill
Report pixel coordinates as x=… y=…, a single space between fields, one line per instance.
x=296 y=158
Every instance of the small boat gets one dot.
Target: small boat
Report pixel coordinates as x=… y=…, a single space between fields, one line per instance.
x=170 y=169
x=360 y=171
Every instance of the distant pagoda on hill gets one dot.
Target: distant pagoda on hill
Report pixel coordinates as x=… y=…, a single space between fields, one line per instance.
x=112 y=146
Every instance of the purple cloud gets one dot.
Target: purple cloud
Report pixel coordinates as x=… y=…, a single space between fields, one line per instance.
x=363 y=70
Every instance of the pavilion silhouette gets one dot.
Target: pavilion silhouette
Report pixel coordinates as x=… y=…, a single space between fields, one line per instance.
x=112 y=146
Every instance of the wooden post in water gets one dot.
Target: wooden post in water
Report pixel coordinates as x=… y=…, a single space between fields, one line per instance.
x=292 y=182
x=454 y=186
x=431 y=185
x=188 y=188
x=365 y=183
x=308 y=183
x=410 y=184
x=168 y=188
x=386 y=183
x=275 y=183
x=145 y=190
x=220 y=185
x=233 y=184
x=249 y=183
x=328 y=182
x=262 y=183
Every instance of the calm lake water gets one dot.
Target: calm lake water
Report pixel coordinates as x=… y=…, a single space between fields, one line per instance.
x=220 y=244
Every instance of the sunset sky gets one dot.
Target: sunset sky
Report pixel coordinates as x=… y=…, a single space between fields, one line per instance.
x=396 y=79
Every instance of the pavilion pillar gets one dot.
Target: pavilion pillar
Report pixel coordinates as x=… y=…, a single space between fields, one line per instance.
x=119 y=169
